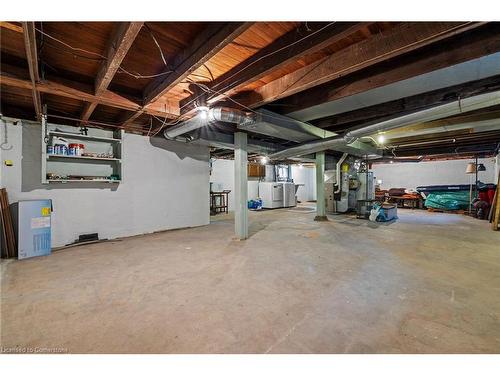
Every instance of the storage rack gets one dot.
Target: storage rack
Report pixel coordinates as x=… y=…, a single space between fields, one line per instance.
x=82 y=165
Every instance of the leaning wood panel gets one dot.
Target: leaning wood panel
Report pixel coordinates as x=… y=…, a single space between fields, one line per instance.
x=10 y=239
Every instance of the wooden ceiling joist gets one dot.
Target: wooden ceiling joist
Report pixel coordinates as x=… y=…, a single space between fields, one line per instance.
x=11 y=26
x=83 y=93
x=394 y=42
x=295 y=44
x=478 y=44
x=32 y=58
x=212 y=40
x=407 y=105
x=118 y=46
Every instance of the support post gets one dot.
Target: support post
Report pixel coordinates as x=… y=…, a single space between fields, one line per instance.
x=320 y=187
x=240 y=185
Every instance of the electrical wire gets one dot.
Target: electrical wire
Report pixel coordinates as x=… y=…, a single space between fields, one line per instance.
x=90 y=121
x=157 y=44
x=208 y=90
x=150 y=125
x=209 y=72
x=259 y=59
x=274 y=52
x=201 y=85
x=100 y=58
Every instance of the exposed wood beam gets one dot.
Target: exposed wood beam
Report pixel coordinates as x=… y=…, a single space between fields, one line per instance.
x=392 y=43
x=32 y=58
x=214 y=38
x=305 y=40
x=84 y=93
x=11 y=26
x=460 y=49
x=444 y=144
x=128 y=119
x=120 y=42
x=408 y=104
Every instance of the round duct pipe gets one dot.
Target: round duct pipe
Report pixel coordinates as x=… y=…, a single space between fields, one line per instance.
x=201 y=119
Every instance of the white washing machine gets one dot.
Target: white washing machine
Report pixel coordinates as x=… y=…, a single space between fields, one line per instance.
x=271 y=194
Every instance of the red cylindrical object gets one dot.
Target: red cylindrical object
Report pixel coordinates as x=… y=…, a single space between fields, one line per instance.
x=483 y=196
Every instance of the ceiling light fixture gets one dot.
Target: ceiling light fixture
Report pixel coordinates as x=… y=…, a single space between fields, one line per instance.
x=202 y=112
x=264 y=160
x=380 y=139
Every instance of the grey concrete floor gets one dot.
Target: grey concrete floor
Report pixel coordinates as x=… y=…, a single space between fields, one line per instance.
x=427 y=283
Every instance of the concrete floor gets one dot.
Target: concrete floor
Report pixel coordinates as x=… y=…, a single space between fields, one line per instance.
x=428 y=283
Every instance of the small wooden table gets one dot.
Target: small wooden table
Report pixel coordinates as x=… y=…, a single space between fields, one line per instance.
x=219 y=201
x=416 y=202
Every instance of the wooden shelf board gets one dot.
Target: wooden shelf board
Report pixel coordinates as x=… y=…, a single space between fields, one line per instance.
x=63 y=180
x=55 y=156
x=82 y=136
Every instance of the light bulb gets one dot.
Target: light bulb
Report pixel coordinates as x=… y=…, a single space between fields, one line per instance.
x=202 y=112
x=380 y=139
x=264 y=160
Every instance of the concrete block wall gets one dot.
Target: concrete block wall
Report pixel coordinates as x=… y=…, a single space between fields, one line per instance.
x=166 y=186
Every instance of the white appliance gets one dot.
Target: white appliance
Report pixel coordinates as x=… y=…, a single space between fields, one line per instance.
x=366 y=190
x=289 y=190
x=271 y=194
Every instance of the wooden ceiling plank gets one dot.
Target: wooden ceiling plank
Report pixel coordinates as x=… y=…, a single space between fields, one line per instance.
x=473 y=46
x=32 y=58
x=119 y=44
x=12 y=26
x=394 y=42
x=283 y=51
x=200 y=51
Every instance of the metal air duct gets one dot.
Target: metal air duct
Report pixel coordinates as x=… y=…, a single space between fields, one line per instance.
x=434 y=113
x=203 y=117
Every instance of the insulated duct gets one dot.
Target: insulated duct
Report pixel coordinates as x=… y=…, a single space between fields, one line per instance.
x=203 y=117
x=434 y=113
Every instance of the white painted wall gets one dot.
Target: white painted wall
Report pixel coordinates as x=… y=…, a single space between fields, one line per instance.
x=165 y=187
x=305 y=175
x=411 y=175
x=223 y=173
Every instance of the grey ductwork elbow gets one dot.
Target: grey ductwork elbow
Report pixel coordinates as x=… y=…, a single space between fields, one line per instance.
x=201 y=119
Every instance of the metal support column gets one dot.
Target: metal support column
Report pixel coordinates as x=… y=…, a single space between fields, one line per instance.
x=320 y=187
x=240 y=185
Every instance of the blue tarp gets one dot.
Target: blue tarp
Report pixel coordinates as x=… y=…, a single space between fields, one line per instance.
x=448 y=200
